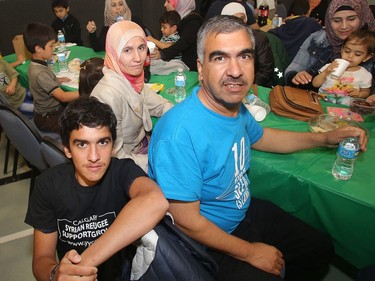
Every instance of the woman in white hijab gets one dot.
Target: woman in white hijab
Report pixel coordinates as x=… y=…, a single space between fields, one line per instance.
x=187 y=29
x=114 y=10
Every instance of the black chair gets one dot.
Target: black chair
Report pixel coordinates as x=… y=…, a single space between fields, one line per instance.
x=26 y=139
x=53 y=152
x=3 y=100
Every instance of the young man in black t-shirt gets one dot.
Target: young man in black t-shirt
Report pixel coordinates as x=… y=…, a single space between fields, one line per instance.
x=90 y=210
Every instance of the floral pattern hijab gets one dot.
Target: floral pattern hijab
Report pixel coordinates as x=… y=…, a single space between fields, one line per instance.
x=361 y=7
x=183 y=7
x=118 y=35
x=109 y=18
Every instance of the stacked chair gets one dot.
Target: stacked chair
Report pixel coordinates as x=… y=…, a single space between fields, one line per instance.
x=39 y=153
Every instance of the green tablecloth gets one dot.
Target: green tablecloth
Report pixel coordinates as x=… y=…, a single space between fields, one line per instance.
x=301 y=183
x=168 y=82
x=83 y=53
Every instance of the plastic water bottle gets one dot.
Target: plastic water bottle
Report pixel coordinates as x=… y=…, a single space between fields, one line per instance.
x=347 y=153
x=53 y=65
x=119 y=18
x=254 y=100
x=275 y=21
x=258 y=108
x=61 y=39
x=62 y=62
x=180 y=83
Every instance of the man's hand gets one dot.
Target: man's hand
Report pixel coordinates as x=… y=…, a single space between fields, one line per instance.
x=302 y=78
x=69 y=268
x=335 y=136
x=266 y=258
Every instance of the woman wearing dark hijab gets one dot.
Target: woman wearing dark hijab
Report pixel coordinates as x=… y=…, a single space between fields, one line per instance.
x=342 y=18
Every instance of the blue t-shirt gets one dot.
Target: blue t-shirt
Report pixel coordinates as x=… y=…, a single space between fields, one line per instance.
x=197 y=154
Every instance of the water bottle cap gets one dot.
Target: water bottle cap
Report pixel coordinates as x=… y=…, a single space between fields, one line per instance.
x=119 y=18
x=180 y=69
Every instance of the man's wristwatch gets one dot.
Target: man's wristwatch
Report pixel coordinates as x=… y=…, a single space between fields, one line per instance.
x=53 y=272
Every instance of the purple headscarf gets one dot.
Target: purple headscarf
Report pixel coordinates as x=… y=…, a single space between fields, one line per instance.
x=361 y=7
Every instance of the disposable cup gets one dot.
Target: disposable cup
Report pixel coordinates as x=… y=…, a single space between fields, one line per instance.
x=151 y=46
x=258 y=112
x=340 y=69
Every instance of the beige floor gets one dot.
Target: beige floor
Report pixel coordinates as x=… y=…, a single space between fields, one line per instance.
x=16 y=236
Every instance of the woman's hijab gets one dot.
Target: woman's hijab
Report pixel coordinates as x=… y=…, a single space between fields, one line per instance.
x=117 y=37
x=183 y=7
x=109 y=18
x=233 y=8
x=361 y=7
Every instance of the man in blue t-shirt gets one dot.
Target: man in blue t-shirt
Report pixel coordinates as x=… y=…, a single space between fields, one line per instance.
x=200 y=155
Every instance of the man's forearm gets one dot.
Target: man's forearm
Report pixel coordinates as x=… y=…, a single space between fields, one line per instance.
x=190 y=221
x=260 y=255
x=137 y=218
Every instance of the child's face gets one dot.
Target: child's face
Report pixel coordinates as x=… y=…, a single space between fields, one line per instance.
x=61 y=12
x=355 y=53
x=47 y=52
x=167 y=29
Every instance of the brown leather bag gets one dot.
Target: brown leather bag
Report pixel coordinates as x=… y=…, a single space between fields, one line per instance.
x=295 y=103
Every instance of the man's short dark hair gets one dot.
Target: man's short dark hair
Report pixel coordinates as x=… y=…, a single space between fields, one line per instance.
x=60 y=3
x=300 y=7
x=170 y=17
x=89 y=112
x=221 y=24
x=37 y=34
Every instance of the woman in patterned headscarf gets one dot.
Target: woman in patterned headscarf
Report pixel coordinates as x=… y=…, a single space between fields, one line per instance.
x=342 y=18
x=113 y=11
x=122 y=87
x=188 y=30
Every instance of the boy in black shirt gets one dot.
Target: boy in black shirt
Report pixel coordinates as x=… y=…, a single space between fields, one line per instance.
x=66 y=22
x=89 y=209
